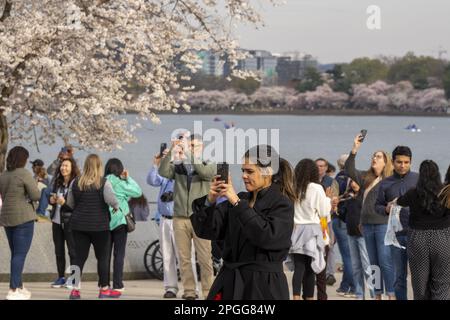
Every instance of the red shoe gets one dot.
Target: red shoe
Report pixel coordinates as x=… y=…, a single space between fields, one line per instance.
x=75 y=295
x=115 y=293
x=108 y=293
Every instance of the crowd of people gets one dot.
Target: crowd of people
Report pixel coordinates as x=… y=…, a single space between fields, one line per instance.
x=294 y=217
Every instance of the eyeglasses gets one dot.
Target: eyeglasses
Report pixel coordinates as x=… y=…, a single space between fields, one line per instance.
x=378 y=156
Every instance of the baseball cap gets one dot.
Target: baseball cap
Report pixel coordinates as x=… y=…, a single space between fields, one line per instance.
x=37 y=162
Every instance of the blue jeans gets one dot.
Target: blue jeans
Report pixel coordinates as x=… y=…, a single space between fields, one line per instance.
x=360 y=264
x=19 y=239
x=340 y=231
x=380 y=256
x=43 y=202
x=400 y=260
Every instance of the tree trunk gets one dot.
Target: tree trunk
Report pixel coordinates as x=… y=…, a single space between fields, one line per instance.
x=4 y=138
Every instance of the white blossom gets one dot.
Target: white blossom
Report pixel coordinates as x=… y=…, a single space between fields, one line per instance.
x=81 y=64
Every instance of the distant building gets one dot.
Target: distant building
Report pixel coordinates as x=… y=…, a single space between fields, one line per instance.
x=262 y=63
x=273 y=69
x=291 y=67
x=212 y=64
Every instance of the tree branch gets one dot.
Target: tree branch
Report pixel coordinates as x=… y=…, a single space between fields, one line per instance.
x=7 y=91
x=103 y=18
x=6 y=11
x=101 y=2
x=199 y=18
x=201 y=21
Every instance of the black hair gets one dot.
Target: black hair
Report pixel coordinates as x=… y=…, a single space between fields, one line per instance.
x=262 y=155
x=17 y=158
x=195 y=136
x=140 y=202
x=429 y=186
x=401 y=151
x=265 y=156
x=445 y=193
x=59 y=179
x=114 y=166
x=447 y=176
x=331 y=168
x=306 y=171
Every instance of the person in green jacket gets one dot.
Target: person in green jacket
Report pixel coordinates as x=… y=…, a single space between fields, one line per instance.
x=124 y=188
x=193 y=178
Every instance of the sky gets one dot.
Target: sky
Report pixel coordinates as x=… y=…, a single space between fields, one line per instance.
x=336 y=30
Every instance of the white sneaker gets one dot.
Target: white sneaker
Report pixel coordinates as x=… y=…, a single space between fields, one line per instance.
x=68 y=285
x=17 y=295
x=25 y=292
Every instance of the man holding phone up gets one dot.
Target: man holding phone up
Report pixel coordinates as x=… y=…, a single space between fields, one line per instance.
x=164 y=218
x=390 y=189
x=193 y=177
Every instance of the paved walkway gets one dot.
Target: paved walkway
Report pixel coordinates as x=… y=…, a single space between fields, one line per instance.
x=135 y=290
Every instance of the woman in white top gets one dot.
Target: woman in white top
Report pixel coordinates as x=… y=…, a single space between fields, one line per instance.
x=308 y=246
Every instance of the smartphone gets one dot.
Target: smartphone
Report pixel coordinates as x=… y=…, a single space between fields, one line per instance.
x=223 y=170
x=162 y=148
x=363 y=135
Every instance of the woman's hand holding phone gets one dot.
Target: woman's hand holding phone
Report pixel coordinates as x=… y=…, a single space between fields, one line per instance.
x=215 y=189
x=60 y=200
x=227 y=190
x=356 y=143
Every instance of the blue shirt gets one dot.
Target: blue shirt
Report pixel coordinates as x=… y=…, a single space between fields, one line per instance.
x=166 y=185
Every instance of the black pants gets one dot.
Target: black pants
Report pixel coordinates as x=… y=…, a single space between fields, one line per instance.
x=429 y=260
x=118 y=246
x=303 y=274
x=321 y=279
x=61 y=236
x=101 y=240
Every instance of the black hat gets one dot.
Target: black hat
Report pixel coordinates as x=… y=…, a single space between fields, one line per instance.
x=37 y=162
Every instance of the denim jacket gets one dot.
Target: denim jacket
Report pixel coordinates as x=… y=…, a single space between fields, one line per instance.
x=166 y=185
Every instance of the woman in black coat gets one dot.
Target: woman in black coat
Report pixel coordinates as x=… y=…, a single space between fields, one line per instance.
x=256 y=227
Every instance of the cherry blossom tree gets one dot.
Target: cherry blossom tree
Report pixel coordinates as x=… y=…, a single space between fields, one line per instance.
x=371 y=97
x=379 y=96
x=273 y=97
x=325 y=98
x=211 y=100
x=429 y=100
x=68 y=67
x=402 y=97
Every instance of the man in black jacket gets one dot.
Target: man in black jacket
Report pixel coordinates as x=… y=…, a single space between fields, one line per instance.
x=391 y=188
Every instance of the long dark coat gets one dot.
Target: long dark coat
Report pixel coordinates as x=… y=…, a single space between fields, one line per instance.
x=256 y=242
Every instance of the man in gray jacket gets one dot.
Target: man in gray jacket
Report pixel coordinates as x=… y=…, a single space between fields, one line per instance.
x=192 y=178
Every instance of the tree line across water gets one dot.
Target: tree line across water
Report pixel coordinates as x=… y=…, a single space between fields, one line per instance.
x=419 y=84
